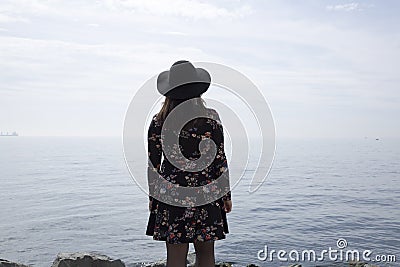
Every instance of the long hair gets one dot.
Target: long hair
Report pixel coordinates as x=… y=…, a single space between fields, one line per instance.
x=170 y=103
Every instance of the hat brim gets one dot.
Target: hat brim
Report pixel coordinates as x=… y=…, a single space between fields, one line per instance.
x=187 y=90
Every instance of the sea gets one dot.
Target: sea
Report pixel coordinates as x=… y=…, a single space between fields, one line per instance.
x=75 y=194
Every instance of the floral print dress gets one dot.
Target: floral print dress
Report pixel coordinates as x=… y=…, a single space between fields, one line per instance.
x=179 y=224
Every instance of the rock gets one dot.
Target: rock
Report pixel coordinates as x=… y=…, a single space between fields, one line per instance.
x=82 y=259
x=190 y=261
x=359 y=264
x=7 y=263
x=223 y=264
x=161 y=263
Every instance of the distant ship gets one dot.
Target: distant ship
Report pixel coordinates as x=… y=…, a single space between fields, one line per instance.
x=8 y=134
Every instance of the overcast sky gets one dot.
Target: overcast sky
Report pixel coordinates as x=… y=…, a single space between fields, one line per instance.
x=327 y=68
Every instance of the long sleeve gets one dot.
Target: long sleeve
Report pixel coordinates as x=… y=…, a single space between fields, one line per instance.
x=221 y=162
x=154 y=154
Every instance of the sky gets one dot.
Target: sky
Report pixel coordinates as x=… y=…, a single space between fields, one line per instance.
x=328 y=69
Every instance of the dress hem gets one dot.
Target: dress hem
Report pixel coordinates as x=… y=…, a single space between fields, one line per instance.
x=186 y=241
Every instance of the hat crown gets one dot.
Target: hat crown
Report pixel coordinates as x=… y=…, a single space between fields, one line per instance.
x=183 y=81
x=182 y=72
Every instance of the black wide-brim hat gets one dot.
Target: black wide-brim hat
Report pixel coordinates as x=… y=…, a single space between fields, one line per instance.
x=183 y=81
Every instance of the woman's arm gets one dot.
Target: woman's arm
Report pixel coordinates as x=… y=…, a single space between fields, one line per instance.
x=154 y=154
x=220 y=161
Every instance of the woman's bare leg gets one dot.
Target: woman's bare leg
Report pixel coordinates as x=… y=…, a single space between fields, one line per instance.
x=177 y=254
x=204 y=253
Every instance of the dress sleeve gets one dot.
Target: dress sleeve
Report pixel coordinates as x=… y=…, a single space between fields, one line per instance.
x=154 y=154
x=221 y=162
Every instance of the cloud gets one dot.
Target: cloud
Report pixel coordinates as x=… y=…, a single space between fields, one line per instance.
x=14 y=9
x=37 y=65
x=182 y=8
x=93 y=24
x=4 y=18
x=176 y=33
x=129 y=10
x=345 y=7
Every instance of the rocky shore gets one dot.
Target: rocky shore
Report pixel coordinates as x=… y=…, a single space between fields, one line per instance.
x=82 y=259
x=88 y=259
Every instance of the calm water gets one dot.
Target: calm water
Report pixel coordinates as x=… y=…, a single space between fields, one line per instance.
x=75 y=194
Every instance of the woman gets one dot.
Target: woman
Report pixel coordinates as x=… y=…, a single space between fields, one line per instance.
x=178 y=225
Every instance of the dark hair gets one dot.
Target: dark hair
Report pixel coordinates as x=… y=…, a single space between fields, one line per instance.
x=170 y=103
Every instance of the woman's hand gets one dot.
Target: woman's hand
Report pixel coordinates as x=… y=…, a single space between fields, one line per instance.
x=150 y=204
x=227 y=206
